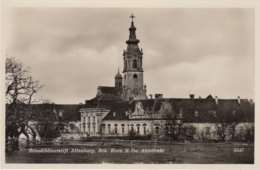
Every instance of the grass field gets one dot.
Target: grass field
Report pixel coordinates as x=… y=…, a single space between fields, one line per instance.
x=194 y=153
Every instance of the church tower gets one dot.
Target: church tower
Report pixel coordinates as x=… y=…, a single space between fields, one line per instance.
x=133 y=76
x=118 y=80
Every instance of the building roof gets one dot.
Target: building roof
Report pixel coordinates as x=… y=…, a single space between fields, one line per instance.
x=104 y=100
x=194 y=110
x=120 y=111
x=107 y=89
x=70 y=112
x=111 y=90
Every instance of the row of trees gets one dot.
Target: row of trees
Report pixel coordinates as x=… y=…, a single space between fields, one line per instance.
x=224 y=124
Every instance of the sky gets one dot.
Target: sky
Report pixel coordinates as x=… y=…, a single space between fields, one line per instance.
x=72 y=51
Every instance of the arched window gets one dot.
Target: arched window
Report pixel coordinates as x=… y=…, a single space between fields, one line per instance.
x=115 y=129
x=134 y=64
x=135 y=76
x=123 y=130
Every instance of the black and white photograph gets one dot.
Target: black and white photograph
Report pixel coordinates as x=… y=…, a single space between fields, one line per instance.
x=129 y=85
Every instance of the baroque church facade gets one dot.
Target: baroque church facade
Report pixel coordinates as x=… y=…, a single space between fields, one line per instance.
x=125 y=107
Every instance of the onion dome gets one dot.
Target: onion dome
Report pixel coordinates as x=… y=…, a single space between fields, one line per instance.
x=118 y=75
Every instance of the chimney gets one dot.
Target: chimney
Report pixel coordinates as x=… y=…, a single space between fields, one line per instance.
x=158 y=96
x=151 y=96
x=251 y=100
x=238 y=99
x=192 y=96
x=216 y=99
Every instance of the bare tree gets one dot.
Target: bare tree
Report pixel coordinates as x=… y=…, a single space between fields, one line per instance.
x=222 y=121
x=174 y=124
x=44 y=121
x=20 y=92
x=249 y=132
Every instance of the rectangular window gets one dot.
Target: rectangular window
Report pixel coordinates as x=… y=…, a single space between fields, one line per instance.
x=94 y=119
x=94 y=129
x=144 y=130
x=89 y=119
x=138 y=130
x=123 y=130
x=83 y=119
x=103 y=129
x=156 y=130
x=115 y=130
x=109 y=130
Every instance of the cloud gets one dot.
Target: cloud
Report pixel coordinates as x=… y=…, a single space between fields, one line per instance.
x=217 y=75
x=73 y=50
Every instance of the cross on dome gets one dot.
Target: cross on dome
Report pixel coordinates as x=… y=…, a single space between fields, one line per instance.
x=132 y=16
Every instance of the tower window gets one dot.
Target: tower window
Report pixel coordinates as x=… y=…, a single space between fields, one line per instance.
x=135 y=76
x=134 y=64
x=125 y=76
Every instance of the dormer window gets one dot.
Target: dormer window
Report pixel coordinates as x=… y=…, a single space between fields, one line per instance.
x=179 y=116
x=196 y=113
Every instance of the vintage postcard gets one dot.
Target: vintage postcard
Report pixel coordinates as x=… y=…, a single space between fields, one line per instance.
x=162 y=85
